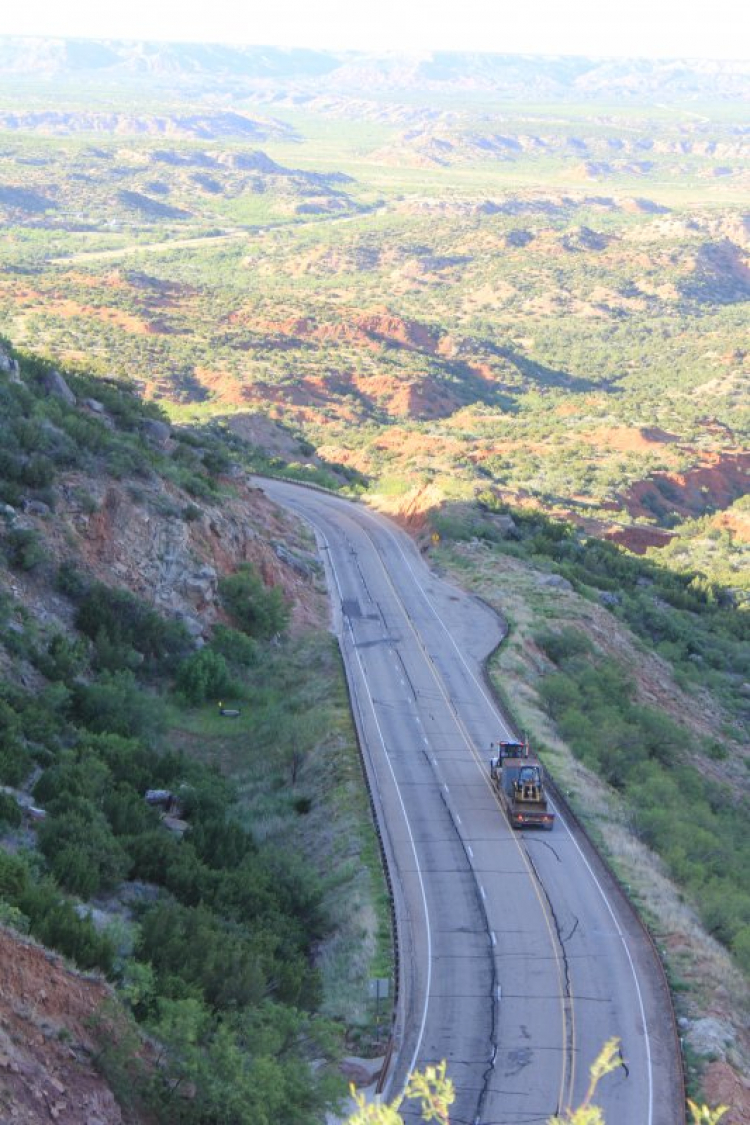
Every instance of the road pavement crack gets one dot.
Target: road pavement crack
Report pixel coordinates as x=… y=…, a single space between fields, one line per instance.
x=573 y=929
x=546 y=844
x=562 y=940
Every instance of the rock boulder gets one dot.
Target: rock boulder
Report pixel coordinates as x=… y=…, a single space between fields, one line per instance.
x=55 y=386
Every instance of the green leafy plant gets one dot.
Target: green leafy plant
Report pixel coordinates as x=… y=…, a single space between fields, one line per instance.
x=257 y=609
x=205 y=675
x=24 y=549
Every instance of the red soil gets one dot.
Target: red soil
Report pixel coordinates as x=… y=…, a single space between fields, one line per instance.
x=46 y=1041
x=721 y=480
x=724 y=1086
x=369 y=330
x=626 y=439
x=639 y=539
x=738 y=523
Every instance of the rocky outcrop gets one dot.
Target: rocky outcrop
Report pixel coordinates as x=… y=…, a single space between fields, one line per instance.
x=205 y=126
x=554 y=582
x=155 y=541
x=724 y=1085
x=9 y=367
x=155 y=431
x=53 y=384
x=711 y=486
x=200 y=587
x=637 y=538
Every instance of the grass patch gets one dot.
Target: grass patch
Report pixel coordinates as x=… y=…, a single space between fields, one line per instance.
x=293 y=756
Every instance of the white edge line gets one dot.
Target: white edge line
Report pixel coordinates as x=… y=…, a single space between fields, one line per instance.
x=632 y=968
x=428 y=987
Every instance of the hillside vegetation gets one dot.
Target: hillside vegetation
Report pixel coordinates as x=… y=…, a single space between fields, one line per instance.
x=517 y=296
x=184 y=854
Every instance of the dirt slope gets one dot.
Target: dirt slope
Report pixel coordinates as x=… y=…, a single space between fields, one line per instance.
x=47 y=1047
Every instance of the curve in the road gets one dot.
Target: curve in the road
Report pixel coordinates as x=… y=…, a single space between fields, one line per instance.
x=490 y=1053
x=567 y=1068
x=560 y=818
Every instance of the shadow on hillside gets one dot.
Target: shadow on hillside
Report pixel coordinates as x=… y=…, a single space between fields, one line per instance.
x=472 y=388
x=543 y=376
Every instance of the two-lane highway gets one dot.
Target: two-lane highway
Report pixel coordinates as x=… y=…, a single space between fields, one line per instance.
x=518 y=957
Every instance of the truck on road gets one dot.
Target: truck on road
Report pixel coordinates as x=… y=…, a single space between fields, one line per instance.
x=518 y=779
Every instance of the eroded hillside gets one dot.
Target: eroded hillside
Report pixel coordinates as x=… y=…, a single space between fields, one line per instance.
x=550 y=307
x=175 y=734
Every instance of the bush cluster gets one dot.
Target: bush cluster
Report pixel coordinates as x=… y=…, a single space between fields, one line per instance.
x=257 y=609
x=227 y=943
x=697 y=825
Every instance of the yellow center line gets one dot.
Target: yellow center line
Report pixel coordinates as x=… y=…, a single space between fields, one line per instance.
x=568 y=1056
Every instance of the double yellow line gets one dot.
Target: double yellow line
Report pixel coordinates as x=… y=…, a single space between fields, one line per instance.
x=567 y=1009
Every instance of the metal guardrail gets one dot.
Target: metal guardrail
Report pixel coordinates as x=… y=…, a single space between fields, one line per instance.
x=382 y=1077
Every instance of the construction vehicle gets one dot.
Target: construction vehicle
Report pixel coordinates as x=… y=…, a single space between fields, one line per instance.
x=518 y=779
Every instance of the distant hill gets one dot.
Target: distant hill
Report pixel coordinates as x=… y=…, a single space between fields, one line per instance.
x=510 y=76
x=185 y=126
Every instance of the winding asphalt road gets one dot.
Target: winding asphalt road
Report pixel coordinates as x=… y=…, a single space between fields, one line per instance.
x=518 y=955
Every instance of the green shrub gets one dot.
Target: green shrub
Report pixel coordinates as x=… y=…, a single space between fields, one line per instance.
x=116 y=703
x=563 y=644
x=741 y=948
x=10 y=493
x=258 y=610
x=13 y=917
x=14 y=876
x=71 y=581
x=191 y=944
x=15 y=761
x=120 y=624
x=78 y=843
x=128 y=759
x=43 y=717
x=113 y=654
x=217 y=461
x=38 y=472
x=24 y=549
x=698 y=829
x=234 y=646
x=87 y=503
x=10 y=813
x=51 y=918
x=197 y=485
x=205 y=675
x=63 y=659
x=74 y=774
x=54 y=921
x=127 y=811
